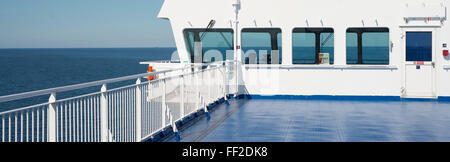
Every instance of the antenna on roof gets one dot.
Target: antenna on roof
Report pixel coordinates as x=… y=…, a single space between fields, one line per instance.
x=237 y=6
x=210 y=25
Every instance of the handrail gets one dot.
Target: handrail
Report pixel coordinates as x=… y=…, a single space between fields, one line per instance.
x=86 y=85
x=22 y=109
x=76 y=86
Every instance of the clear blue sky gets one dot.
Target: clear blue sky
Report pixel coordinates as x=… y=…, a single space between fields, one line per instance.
x=83 y=23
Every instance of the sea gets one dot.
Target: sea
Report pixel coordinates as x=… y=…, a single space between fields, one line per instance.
x=23 y=70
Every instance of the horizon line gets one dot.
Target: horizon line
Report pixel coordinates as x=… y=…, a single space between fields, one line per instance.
x=77 y=47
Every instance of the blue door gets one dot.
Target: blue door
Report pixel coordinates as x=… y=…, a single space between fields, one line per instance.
x=419 y=65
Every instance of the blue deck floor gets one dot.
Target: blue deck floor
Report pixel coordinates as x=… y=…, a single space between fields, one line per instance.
x=278 y=120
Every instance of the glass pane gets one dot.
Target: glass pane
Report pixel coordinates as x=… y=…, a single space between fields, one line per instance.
x=304 y=48
x=418 y=46
x=256 y=41
x=189 y=40
x=375 y=48
x=257 y=45
x=252 y=44
x=280 y=47
x=352 y=48
x=327 y=45
x=214 y=43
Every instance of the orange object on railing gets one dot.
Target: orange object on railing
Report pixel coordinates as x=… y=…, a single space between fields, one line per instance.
x=150 y=77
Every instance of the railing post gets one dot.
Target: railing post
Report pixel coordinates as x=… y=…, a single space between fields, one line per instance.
x=224 y=82
x=138 y=110
x=51 y=118
x=197 y=89
x=182 y=94
x=236 y=70
x=225 y=78
x=209 y=98
x=219 y=79
x=104 y=115
x=163 y=109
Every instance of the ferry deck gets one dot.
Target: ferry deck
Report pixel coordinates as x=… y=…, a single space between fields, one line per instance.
x=372 y=76
x=321 y=120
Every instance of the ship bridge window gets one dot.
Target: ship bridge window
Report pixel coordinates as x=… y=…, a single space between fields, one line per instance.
x=261 y=45
x=368 y=46
x=209 y=45
x=313 y=46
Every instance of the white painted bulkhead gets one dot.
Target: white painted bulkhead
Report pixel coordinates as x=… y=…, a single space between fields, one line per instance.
x=336 y=79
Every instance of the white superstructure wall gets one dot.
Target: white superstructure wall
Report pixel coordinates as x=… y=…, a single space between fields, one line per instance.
x=339 y=78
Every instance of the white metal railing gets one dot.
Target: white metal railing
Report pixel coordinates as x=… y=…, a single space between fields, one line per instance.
x=125 y=114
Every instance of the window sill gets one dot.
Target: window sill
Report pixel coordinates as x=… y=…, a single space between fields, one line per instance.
x=387 y=67
x=378 y=67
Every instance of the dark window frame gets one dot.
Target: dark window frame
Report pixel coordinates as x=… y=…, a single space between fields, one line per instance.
x=359 y=32
x=274 y=40
x=317 y=32
x=197 y=36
